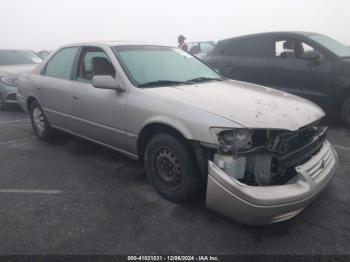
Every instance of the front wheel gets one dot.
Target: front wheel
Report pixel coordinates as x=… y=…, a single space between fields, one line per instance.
x=171 y=169
x=346 y=112
x=39 y=122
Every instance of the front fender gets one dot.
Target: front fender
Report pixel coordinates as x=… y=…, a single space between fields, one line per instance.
x=171 y=122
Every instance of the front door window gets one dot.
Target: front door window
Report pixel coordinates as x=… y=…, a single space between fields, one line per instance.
x=94 y=61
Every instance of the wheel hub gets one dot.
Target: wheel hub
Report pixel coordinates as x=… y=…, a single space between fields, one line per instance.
x=168 y=168
x=38 y=119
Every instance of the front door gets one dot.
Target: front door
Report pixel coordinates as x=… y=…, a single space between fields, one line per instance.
x=314 y=77
x=98 y=114
x=292 y=72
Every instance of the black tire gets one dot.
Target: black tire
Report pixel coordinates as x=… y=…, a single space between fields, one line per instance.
x=171 y=169
x=345 y=114
x=42 y=130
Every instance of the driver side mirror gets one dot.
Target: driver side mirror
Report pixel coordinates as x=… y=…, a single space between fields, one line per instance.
x=311 y=55
x=107 y=82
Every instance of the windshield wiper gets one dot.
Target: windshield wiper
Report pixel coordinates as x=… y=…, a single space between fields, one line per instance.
x=172 y=82
x=161 y=83
x=203 y=79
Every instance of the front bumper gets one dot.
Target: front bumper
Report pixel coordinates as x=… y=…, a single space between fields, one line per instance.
x=8 y=93
x=258 y=205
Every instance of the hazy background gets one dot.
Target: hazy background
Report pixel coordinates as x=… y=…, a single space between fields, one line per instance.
x=47 y=24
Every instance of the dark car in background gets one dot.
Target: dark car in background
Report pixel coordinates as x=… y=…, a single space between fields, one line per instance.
x=12 y=64
x=310 y=65
x=200 y=49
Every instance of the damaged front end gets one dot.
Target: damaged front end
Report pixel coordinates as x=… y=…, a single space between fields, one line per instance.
x=265 y=176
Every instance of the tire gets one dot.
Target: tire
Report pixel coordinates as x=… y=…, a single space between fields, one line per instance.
x=346 y=112
x=40 y=125
x=170 y=168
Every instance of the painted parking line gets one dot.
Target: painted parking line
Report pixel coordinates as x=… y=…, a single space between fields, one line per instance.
x=14 y=121
x=15 y=140
x=30 y=191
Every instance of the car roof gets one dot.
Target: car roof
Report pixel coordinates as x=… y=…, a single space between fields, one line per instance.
x=225 y=43
x=287 y=33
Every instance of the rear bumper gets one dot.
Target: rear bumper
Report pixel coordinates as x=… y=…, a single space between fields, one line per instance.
x=257 y=205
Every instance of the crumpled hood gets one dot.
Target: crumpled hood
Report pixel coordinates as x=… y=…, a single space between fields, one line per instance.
x=16 y=69
x=247 y=104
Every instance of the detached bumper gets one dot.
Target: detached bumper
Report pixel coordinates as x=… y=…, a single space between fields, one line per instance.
x=258 y=205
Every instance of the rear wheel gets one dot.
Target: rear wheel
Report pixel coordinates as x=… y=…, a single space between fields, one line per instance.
x=346 y=112
x=39 y=122
x=170 y=168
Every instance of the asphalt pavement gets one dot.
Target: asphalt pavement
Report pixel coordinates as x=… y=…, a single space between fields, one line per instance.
x=70 y=196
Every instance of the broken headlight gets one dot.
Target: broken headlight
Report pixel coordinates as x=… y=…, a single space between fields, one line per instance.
x=232 y=140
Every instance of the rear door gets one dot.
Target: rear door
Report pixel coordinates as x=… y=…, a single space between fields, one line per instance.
x=54 y=87
x=98 y=114
x=246 y=59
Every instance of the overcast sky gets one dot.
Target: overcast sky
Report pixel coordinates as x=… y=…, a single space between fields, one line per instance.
x=47 y=24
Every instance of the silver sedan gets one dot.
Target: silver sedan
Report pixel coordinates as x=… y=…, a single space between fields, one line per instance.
x=12 y=64
x=260 y=155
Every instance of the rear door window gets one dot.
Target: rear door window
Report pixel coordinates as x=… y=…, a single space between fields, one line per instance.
x=61 y=64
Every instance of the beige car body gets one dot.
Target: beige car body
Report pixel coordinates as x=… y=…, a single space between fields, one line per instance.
x=124 y=115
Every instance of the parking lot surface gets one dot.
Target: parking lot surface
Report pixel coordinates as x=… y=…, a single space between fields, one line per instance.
x=70 y=196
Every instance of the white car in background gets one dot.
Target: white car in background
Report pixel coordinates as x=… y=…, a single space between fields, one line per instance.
x=200 y=49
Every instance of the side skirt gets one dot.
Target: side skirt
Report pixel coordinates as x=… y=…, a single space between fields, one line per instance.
x=128 y=154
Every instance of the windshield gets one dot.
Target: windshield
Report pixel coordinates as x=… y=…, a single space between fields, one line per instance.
x=162 y=66
x=334 y=46
x=18 y=57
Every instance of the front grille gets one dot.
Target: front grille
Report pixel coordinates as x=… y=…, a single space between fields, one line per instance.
x=292 y=141
x=299 y=147
x=315 y=168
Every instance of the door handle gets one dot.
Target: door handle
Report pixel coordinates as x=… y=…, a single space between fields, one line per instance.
x=76 y=97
